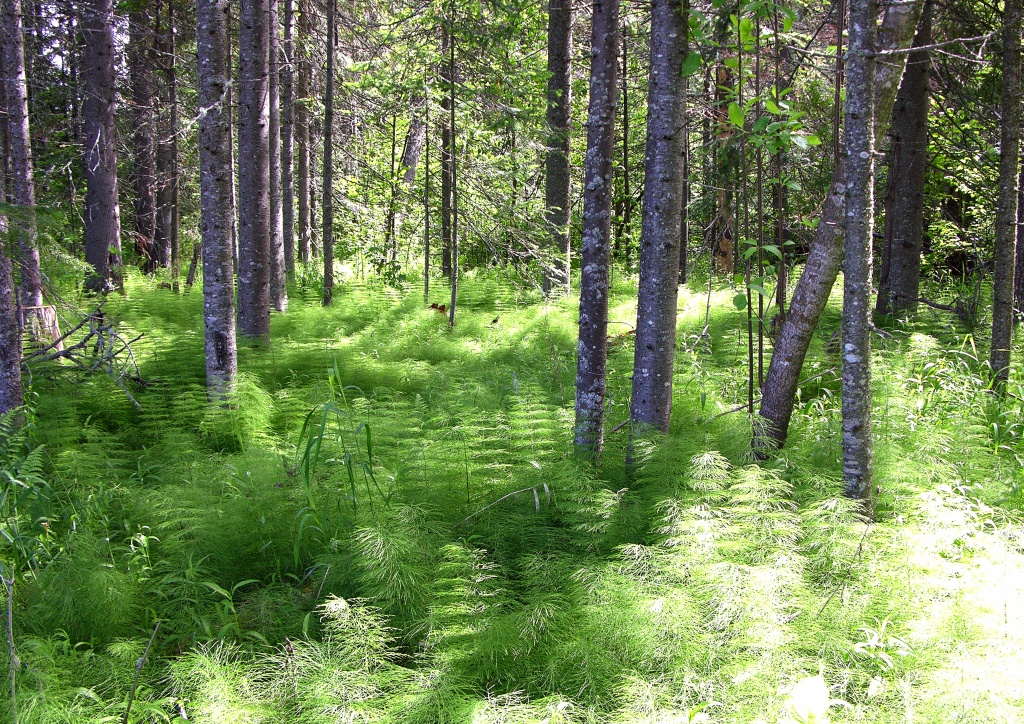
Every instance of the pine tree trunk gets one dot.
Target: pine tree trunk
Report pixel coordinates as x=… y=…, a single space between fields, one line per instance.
x=592 y=352
x=102 y=214
x=1006 y=206
x=10 y=336
x=328 y=190
x=654 y=357
x=141 y=61
x=1018 y=273
x=302 y=137
x=164 y=148
x=20 y=152
x=278 y=283
x=215 y=195
x=559 y=106
x=447 y=79
x=899 y=277
x=859 y=145
x=254 y=170
x=287 y=141
x=822 y=266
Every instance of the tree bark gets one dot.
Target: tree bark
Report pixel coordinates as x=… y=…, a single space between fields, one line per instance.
x=899 y=278
x=287 y=141
x=447 y=79
x=598 y=190
x=302 y=139
x=141 y=61
x=166 y=144
x=102 y=215
x=654 y=357
x=859 y=145
x=20 y=152
x=10 y=336
x=215 y=196
x=559 y=107
x=278 y=283
x=1018 y=273
x=1006 y=205
x=822 y=266
x=254 y=170
x=328 y=190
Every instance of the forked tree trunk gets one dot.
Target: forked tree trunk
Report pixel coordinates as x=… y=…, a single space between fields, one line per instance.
x=20 y=152
x=254 y=170
x=328 y=190
x=215 y=195
x=278 y=284
x=592 y=352
x=654 y=357
x=559 y=106
x=899 y=276
x=141 y=62
x=859 y=145
x=1006 y=206
x=822 y=266
x=102 y=214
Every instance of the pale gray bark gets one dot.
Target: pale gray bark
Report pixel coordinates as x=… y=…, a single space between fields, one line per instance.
x=654 y=356
x=302 y=137
x=287 y=142
x=447 y=79
x=215 y=195
x=254 y=170
x=141 y=61
x=1006 y=205
x=102 y=214
x=328 y=190
x=592 y=351
x=558 y=177
x=278 y=282
x=899 y=276
x=859 y=146
x=20 y=151
x=822 y=266
x=10 y=337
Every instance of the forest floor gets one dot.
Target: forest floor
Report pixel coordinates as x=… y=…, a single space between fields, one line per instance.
x=388 y=525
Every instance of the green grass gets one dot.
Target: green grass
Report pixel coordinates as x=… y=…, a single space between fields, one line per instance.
x=334 y=545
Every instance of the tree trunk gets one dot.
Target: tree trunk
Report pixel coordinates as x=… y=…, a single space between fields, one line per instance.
x=254 y=170
x=10 y=336
x=20 y=152
x=559 y=106
x=215 y=195
x=822 y=266
x=447 y=79
x=102 y=214
x=141 y=61
x=287 y=143
x=859 y=145
x=278 y=283
x=454 y=180
x=662 y=205
x=328 y=190
x=1018 y=274
x=166 y=144
x=302 y=139
x=1006 y=206
x=900 y=272
x=592 y=352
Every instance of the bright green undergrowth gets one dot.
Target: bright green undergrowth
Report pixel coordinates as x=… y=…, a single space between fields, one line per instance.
x=387 y=525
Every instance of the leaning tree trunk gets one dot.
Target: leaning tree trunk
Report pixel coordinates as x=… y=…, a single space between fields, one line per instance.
x=287 y=142
x=1006 y=206
x=328 y=190
x=215 y=195
x=102 y=214
x=899 y=276
x=20 y=153
x=859 y=144
x=278 y=285
x=557 y=178
x=254 y=170
x=654 y=357
x=592 y=354
x=141 y=61
x=822 y=266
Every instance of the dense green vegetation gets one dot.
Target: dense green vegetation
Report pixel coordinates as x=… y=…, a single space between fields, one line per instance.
x=387 y=525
